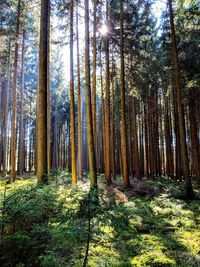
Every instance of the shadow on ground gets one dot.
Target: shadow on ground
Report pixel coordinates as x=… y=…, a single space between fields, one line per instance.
x=54 y=225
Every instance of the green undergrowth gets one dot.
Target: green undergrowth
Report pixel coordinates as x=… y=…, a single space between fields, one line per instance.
x=50 y=226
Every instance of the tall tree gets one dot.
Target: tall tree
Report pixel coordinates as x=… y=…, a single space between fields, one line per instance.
x=21 y=122
x=72 y=111
x=107 y=109
x=94 y=71
x=181 y=121
x=6 y=98
x=79 y=99
x=43 y=95
x=90 y=137
x=123 y=115
x=14 y=98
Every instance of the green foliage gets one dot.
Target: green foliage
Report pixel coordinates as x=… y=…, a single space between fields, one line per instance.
x=48 y=225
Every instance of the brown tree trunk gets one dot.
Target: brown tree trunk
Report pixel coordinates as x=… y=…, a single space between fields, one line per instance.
x=169 y=142
x=55 y=138
x=21 y=122
x=181 y=121
x=79 y=102
x=113 y=122
x=5 y=130
x=72 y=110
x=141 y=138
x=123 y=115
x=194 y=142
x=48 y=92
x=94 y=72
x=107 y=121
x=135 y=140
x=43 y=94
x=14 y=98
x=102 y=113
x=90 y=137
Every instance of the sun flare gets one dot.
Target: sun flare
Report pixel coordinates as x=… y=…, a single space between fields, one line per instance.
x=103 y=30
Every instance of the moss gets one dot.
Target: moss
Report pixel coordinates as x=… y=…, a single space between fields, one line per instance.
x=51 y=227
x=152 y=259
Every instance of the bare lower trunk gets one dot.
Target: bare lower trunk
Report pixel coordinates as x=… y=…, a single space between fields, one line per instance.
x=79 y=103
x=181 y=121
x=43 y=95
x=14 y=99
x=21 y=123
x=72 y=110
x=123 y=115
x=90 y=137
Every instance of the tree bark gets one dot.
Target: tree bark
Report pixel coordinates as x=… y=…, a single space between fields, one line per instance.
x=79 y=101
x=123 y=115
x=107 y=117
x=43 y=95
x=181 y=121
x=94 y=72
x=21 y=122
x=135 y=140
x=72 y=110
x=14 y=98
x=90 y=137
x=194 y=143
x=5 y=130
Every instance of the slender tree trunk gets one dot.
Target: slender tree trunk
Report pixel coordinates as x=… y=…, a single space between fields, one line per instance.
x=107 y=121
x=5 y=130
x=55 y=138
x=94 y=72
x=141 y=138
x=181 y=121
x=177 y=138
x=146 y=138
x=48 y=91
x=72 y=110
x=194 y=143
x=90 y=137
x=113 y=122
x=135 y=140
x=2 y=95
x=21 y=122
x=43 y=95
x=79 y=102
x=123 y=115
x=168 y=141
x=102 y=112
x=14 y=98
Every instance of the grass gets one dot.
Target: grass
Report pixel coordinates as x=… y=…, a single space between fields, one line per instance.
x=47 y=225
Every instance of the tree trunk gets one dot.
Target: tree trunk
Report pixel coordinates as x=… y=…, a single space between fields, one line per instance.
x=55 y=138
x=181 y=120
x=135 y=140
x=79 y=102
x=90 y=137
x=43 y=94
x=14 y=98
x=72 y=110
x=113 y=122
x=107 y=120
x=194 y=142
x=123 y=115
x=21 y=122
x=5 y=130
x=94 y=72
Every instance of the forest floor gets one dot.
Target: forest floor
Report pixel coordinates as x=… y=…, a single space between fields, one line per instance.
x=53 y=225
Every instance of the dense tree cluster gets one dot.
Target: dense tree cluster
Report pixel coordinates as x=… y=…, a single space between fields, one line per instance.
x=129 y=103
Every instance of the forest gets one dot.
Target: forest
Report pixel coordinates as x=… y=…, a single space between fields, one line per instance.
x=99 y=133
